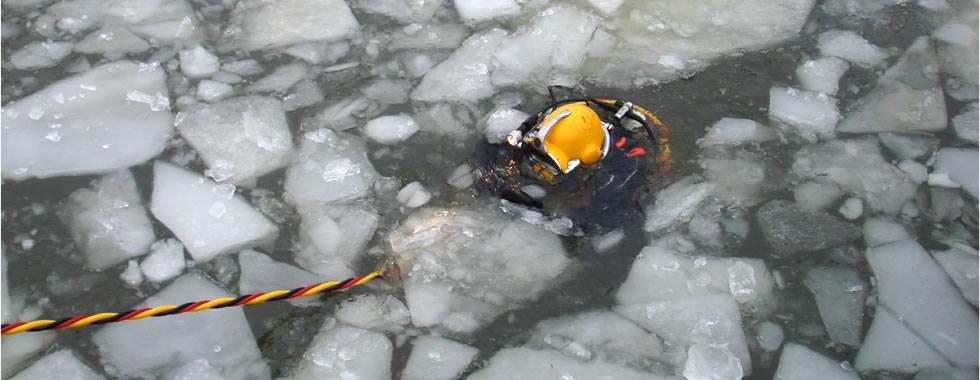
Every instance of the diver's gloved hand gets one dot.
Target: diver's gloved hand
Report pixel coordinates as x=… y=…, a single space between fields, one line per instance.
x=520 y=197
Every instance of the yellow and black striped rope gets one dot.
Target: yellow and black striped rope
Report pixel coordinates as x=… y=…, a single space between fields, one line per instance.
x=160 y=311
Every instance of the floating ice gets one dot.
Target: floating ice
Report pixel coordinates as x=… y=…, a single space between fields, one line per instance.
x=965 y=123
x=329 y=167
x=435 y=358
x=414 y=195
x=209 y=90
x=770 y=336
x=502 y=121
x=342 y=352
x=428 y=36
x=258 y=24
x=390 y=130
x=39 y=55
x=962 y=166
x=198 y=62
x=405 y=11
x=730 y=131
x=676 y=204
x=461 y=177
x=388 y=91
x=454 y=120
x=222 y=337
x=59 y=365
x=917 y=291
x=789 y=228
x=706 y=362
x=334 y=237
x=816 y=195
x=112 y=40
x=798 y=362
x=98 y=128
x=662 y=275
x=821 y=75
x=132 y=275
x=962 y=268
x=917 y=172
x=851 y=209
x=304 y=94
x=857 y=166
x=464 y=267
x=281 y=79
x=19 y=349
x=260 y=273
x=198 y=369
x=850 y=46
x=465 y=75
x=810 y=115
x=891 y=345
x=165 y=261
x=607 y=7
x=485 y=10
x=712 y=320
x=880 y=230
x=909 y=146
x=605 y=335
x=606 y=242
x=946 y=373
x=907 y=98
x=240 y=139
x=736 y=181
x=345 y=114
x=526 y=364
x=840 y=293
x=374 y=312
x=206 y=223
x=108 y=222
x=956 y=43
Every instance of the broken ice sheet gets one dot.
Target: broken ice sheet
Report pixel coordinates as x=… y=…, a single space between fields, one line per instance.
x=840 y=293
x=340 y=351
x=435 y=358
x=329 y=167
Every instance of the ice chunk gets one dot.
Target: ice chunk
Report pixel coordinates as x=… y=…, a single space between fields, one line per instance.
x=906 y=98
x=789 y=229
x=957 y=47
x=962 y=268
x=730 y=131
x=198 y=62
x=851 y=209
x=965 y=123
x=917 y=172
x=304 y=94
x=604 y=335
x=736 y=181
x=858 y=167
x=342 y=352
x=918 y=292
x=390 y=130
x=39 y=55
x=345 y=114
x=909 y=146
x=240 y=139
x=388 y=91
x=880 y=230
x=110 y=117
x=453 y=120
x=281 y=79
x=428 y=36
x=465 y=75
x=22 y=347
x=463 y=267
x=258 y=24
x=550 y=50
x=949 y=373
x=405 y=11
x=132 y=275
x=222 y=337
x=850 y=46
x=166 y=261
x=676 y=204
x=891 y=345
x=485 y=10
x=59 y=365
x=526 y=364
x=461 y=177
x=502 y=121
x=334 y=237
x=821 y=75
x=209 y=90
x=108 y=221
x=659 y=274
x=198 y=369
x=706 y=362
x=798 y=362
x=413 y=195
x=206 y=222
x=770 y=336
x=962 y=166
x=111 y=40
x=329 y=167
x=374 y=312
x=816 y=195
x=260 y=273
x=810 y=115
x=607 y=7
x=712 y=320
x=840 y=293
x=435 y=358
x=608 y=241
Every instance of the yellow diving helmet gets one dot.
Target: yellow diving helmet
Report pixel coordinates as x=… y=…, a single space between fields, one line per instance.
x=566 y=137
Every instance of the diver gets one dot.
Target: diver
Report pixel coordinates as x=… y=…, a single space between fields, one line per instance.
x=591 y=156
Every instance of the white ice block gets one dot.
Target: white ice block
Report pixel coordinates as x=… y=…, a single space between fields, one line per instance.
x=374 y=312
x=962 y=268
x=329 y=167
x=260 y=24
x=39 y=55
x=731 y=131
x=391 y=130
x=484 y=10
x=526 y=364
x=165 y=261
x=112 y=41
x=342 y=352
x=198 y=62
x=821 y=75
x=413 y=195
x=208 y=221
x=676 y=204
x=59 y=365
x=840 y=293
x=334 y=238
x=603 y=335
x=465 y=75
x=849 y=45
x=436 y=358
x=798 y=362
x=110 y=117
x=810 y=115
x=962 y=166
x=260 y=273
